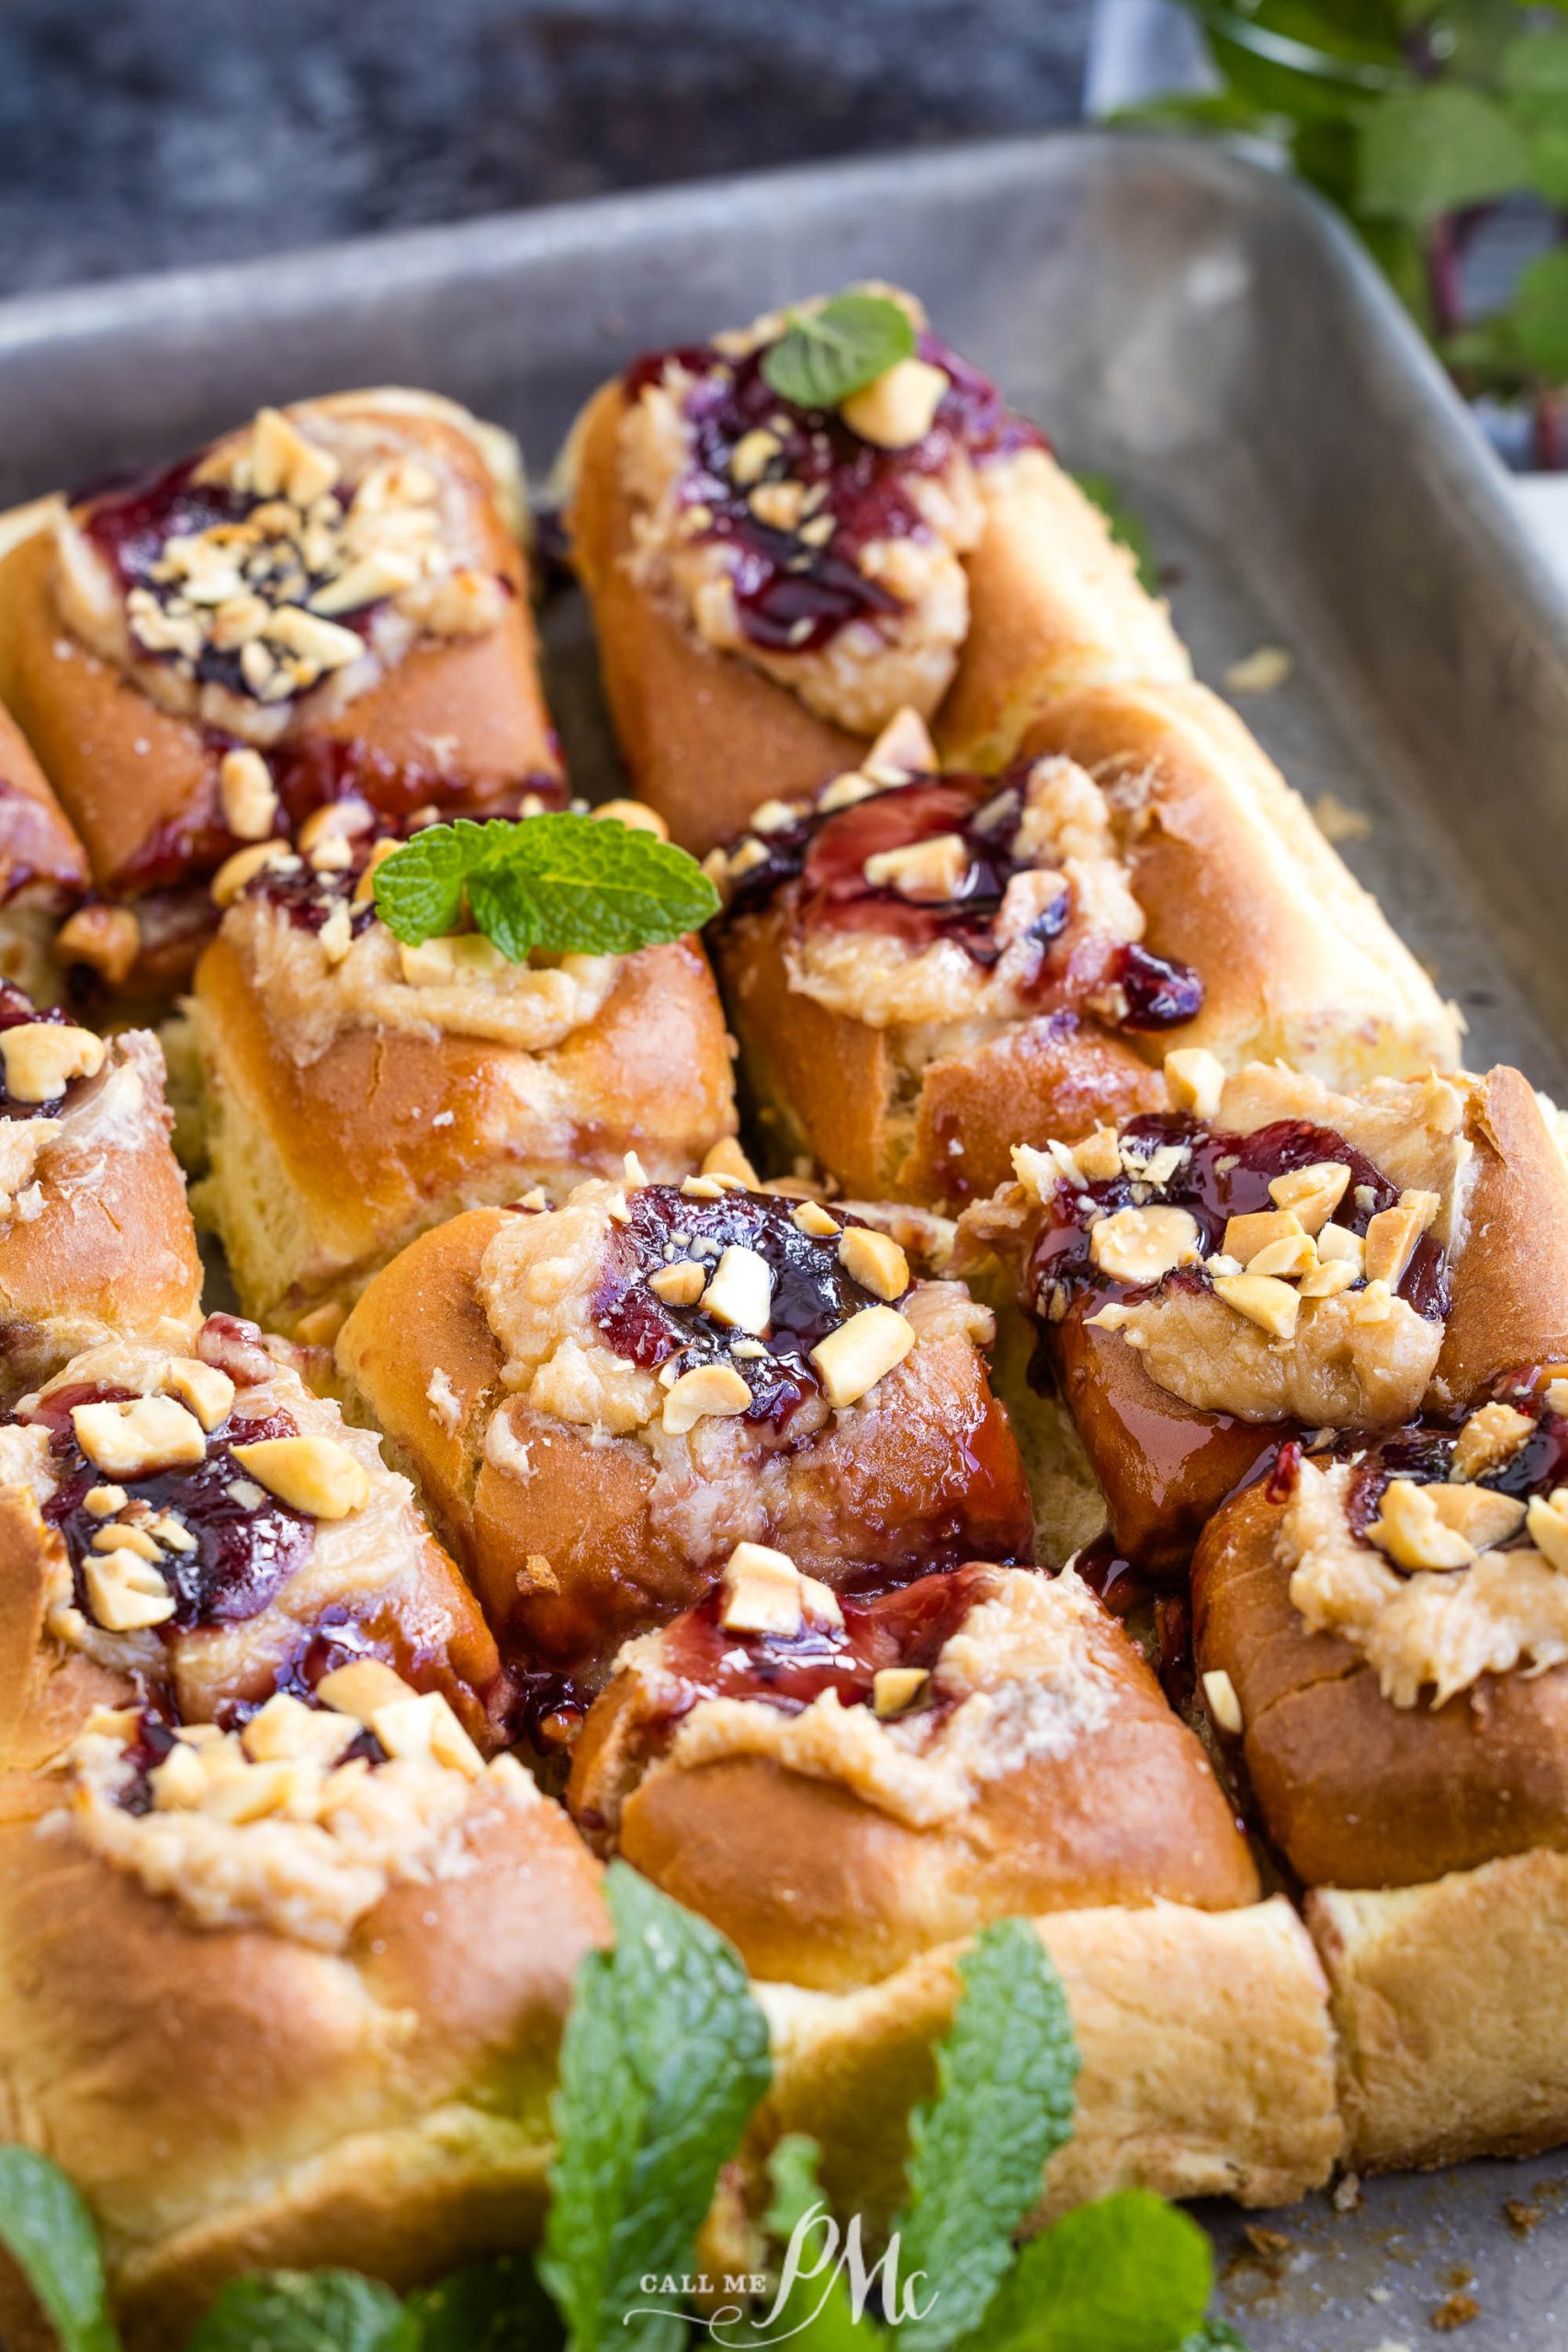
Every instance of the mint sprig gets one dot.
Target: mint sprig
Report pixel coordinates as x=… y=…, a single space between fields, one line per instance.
x=1129 y=2274
x=563 y=883
x=48 y=2231
x=825 y=356
x=1126 y=525
x=664 y=2057
x=305 y=2311
x=1003 y=2106
x=487 y=2307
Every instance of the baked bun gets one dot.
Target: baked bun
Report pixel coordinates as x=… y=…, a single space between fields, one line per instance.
x=591 y=1447
x=147 y=1554
x=95 y=1234
x=976 y=1745
x=176 y=726
x=1207 y=2060
x=357 y=1092
x=1275 y=1257
x=770 y=583
x=283 y=2012
x=43 y=868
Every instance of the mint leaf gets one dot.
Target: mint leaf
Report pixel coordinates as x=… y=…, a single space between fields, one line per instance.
x=305 y=2311
x=487 y=2307
x=664 y=2057
x=1003 y=2105
x=564 y=883
x=1127 y=526
x=1424 y=151
x=1540 y=316
x=46 y=2226
x=810 y=2307
x=824 y=355
x=1130 y=2274
x=419 y=889
x=1214 y=2336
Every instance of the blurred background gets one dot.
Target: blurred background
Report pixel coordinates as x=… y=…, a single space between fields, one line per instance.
x=141 y=134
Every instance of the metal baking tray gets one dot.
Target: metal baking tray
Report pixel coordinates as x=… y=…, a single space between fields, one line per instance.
x=1219 y=347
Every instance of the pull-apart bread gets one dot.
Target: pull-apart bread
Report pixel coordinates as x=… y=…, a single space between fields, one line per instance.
x=1275 y=1256
x=286 y=1958
x=924 y=969
x=599 y=1401
x=848 y=1785
x=327 y=603
x=771 y=583
x=95 y=1234
x=1382 y=1631
x=358 y=1089
x=43 y=868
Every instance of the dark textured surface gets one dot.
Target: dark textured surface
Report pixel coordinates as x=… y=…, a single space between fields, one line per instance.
x=185 y=131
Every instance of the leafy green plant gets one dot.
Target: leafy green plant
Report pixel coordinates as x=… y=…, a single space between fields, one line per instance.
x=824 y=355
x=664 y=2058
x=1415 y=118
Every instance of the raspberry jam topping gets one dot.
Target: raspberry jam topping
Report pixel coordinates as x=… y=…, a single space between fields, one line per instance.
x=794 y=595
x=812 y=1293
x=821 y=857
x=700 y=1659
x=16 y=1010
x=247 y=1542
x=1218 y=1177
x=1422 y=1451
x=158 y=1732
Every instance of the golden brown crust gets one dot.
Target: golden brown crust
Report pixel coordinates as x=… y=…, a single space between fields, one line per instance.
x=926 y=1464
x=1510 y=1293
x=1355 y=1791
x=816 y=1886
x=1449 y=2006
x=39 y=852
x=140 y=785
x=1055 y=604
x=832 y=1088
x=1207 y=2062
x=1235 y=879
x=111 y=1248
x=300 y=2106
x=705 y=736
x=323 y=1169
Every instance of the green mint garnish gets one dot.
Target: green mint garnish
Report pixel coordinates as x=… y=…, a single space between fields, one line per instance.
x=1127 y=526
x=664 y=2057
x=1003 y=2106
x=1130 y=2274
x=305 y=2311
x=824 y=355
x=563 y=883
x=46 y=2228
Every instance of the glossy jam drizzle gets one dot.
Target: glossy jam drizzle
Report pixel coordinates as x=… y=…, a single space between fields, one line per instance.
x=16 y=1010
x=812 y=1294
x=247 y=1542
x=822 y=857
x=1424 y=1450
x=1220 y=1176
x=793 y=596
x=699 y=1658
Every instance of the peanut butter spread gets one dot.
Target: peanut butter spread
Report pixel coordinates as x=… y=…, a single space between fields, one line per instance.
x=1437 y=1630
x=1018 y=1684
x=902 y=645
x=288 y=568
x=313 y=985
x=177 y=1561
x=294 y=1847
x=1293 y=1311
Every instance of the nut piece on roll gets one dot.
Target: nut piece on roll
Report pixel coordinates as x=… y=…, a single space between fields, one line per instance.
x=183 y=1522
x=1269 y=1257
x=1388 y=1622
x=327 y=602
x=771 y=582
x=359 y=1089
x=599 y=1400
x=979 y=1744
x=288 y=1994
x=95 y=1234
